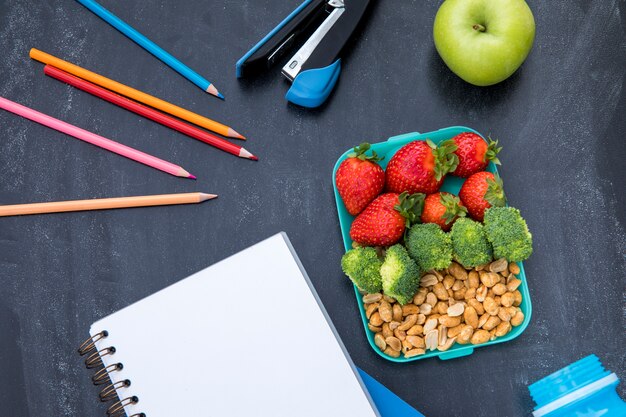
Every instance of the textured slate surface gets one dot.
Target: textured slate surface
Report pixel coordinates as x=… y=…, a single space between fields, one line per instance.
x=560 y=119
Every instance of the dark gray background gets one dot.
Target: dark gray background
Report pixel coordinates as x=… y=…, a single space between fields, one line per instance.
x=560 y=119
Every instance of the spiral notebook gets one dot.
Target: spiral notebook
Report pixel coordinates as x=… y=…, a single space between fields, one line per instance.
x=247 y=336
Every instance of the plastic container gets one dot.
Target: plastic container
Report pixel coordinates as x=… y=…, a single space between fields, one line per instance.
x=452 y=185
x=582 y=389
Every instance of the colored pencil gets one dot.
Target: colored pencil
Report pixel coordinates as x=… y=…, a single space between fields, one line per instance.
x=149 y=113
x=134 y=94
x=151 y=47
x=104 y=204
x=94 y=139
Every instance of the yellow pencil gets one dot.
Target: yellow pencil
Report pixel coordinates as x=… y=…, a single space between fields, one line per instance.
x=104 y=204
x=134 y=94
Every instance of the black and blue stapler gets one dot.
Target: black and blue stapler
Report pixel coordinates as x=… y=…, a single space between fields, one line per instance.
x=315 y=68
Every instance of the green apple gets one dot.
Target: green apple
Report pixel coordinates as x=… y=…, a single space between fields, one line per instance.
x=484 y=41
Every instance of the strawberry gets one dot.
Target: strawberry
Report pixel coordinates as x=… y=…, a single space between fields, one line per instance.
x=442 y=209
x=359 y=179
x=481 y=191
x=383 y=222
x=419 y=167
x=474 y=153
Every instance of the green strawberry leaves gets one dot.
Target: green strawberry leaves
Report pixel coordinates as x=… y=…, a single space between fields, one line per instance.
x=359 y=152
x=410 y=207
x=492 y=152
x=453 y=207
x=495 y=192
x=445 y=159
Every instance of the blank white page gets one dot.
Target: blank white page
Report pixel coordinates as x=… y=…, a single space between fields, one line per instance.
x=245 y=337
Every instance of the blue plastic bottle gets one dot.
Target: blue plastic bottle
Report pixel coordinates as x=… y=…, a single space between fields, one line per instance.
x=582 y=389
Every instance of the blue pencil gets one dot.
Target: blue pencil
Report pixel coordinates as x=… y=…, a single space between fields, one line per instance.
x=151 y=47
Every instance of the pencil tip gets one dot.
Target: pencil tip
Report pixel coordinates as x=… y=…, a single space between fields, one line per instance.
x=193 y=177
x=213 y=91
x=232 y=133
x=205 y=197
x=254 y=158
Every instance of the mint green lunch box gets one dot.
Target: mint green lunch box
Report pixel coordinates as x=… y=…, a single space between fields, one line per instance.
x=452 y=185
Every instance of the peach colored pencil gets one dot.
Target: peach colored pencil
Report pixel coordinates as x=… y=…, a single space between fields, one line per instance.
x=94 y=139
x=104 y=204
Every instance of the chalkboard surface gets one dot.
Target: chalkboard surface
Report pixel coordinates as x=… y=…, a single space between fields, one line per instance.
x=560 y=119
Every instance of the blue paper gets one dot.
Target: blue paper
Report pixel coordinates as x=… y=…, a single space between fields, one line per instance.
x=388 y=403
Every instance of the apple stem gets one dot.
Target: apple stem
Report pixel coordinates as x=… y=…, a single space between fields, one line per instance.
x=479 y=27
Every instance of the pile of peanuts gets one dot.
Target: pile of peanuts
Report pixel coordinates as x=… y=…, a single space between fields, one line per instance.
x=454 y=305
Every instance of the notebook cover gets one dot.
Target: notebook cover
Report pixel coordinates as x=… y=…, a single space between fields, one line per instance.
x=388 y=403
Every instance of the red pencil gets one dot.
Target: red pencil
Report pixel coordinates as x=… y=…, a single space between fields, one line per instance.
x=149 y=113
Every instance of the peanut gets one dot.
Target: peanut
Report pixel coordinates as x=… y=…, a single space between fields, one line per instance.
x=449 y=321
x=489 y=279
x=460 y=294
x=374 y=328
x=481 y=293
x=432 y=339
x=387 y=331
x=499 y=265
x=370 y=310
x=428 y=280
x=400 y=334
x=372 y=298
x=420 y=297
x=447 y=345
x=465 y=334
x=441 y=307
x=415 y=330
x=448 y=282
x=440 y=291
x=393 y=353
x=416 y=341
x=491 y=322
x=430 y=325
x=454 y=331
x=414 y=352
x=431 y=299
x=385 y=311
x=408 y=322
x=394 y=343
x=390 y=300
x=471 y=317
x=456 y=310
x=376 y=320
x=513 y=283
x=409 y=309
x=518 y=298
x=480 y=336
x=474 y=280
x=499 y=289
x=491 y=306
x=478 y=306
x=517 y=319
x=457 y=271
x=503 y=328
x=514 y=268
x=483 y=319
x=425 y=309
x=421 y=318
x=397 y=312
x=508 y=299
x=379 y=341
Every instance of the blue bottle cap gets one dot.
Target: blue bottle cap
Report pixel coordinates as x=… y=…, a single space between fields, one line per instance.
x=569 y=384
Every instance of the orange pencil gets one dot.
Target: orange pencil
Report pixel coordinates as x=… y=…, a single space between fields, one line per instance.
x=104 y=204
x=134 y=94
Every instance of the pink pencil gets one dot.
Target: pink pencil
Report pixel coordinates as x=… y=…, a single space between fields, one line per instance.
x=94 y=139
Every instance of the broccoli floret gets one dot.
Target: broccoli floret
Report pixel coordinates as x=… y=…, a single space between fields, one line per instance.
x=470 y=244
x=401 y=275
x=362 y=266
x=508 y=233
x=430 y=246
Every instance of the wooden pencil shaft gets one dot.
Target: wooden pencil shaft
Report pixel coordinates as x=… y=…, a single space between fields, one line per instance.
x=130 y=92
x=142 y=110
x=100 y=204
